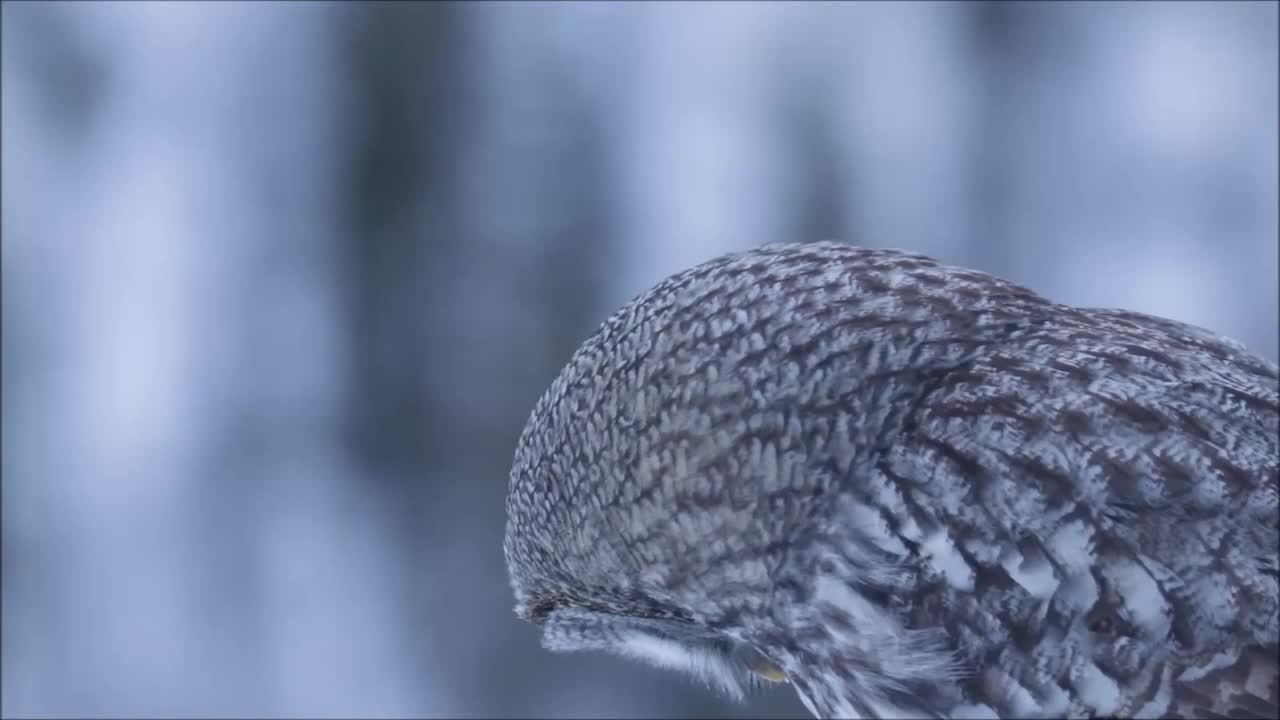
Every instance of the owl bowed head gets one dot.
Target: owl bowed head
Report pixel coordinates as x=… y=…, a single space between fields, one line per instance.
x=908 y=490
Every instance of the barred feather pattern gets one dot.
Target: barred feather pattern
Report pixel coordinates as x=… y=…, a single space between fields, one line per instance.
x=918 y=490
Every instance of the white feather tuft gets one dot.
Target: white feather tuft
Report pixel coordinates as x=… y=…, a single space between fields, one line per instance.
x=707 y=664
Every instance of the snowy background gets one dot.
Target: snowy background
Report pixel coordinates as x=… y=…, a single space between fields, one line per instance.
x=282 y=281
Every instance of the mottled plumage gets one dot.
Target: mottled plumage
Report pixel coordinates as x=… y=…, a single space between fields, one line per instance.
x=914 y=490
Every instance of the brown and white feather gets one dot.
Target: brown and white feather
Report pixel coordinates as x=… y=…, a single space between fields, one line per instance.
x=919 y=490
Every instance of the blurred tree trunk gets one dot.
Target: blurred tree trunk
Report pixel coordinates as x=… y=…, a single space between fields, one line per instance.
x=471 y=277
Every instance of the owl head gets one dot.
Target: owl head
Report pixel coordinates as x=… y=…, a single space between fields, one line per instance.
x=678 y=493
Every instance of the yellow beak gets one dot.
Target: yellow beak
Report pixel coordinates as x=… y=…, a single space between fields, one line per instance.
x=770 y=672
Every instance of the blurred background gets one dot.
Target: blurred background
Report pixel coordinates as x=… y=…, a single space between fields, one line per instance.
x=282 y=281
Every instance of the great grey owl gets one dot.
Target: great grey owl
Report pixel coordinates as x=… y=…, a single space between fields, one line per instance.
x=910 y=490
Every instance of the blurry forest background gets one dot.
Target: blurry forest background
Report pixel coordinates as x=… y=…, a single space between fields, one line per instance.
x=282 y=281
